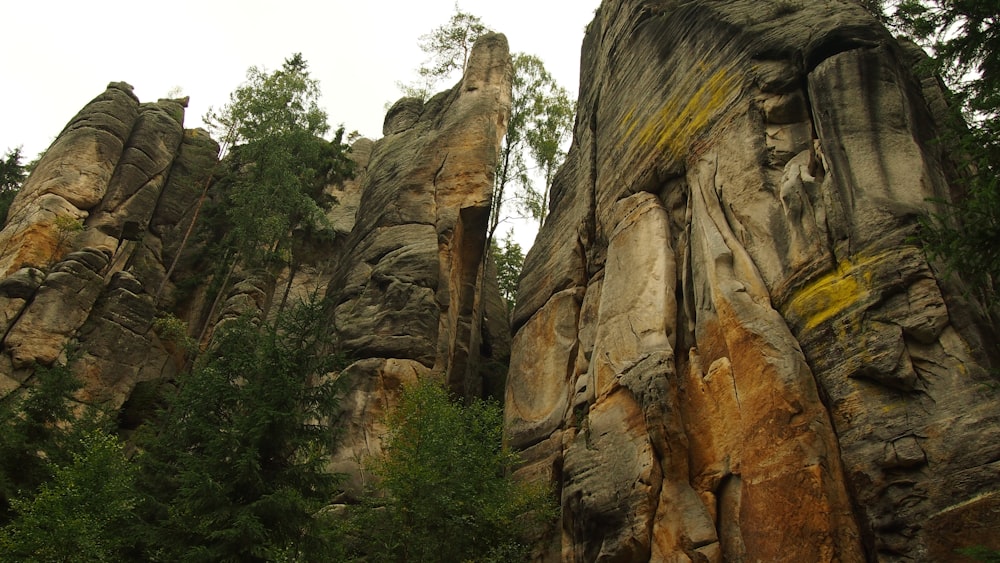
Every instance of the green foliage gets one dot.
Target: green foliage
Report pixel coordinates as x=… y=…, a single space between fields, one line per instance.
x=64 y=485
x=12 y=175
x=449 y=495
x=980 y=553
x=35 y=433
x=65 y=224
x=966 y=234
x=236 y=469
x=965 y=40
x=175 y=331
x=279 y=163
x=447 y=47
x=542 y=117
x=509 y=260
x=541 y=120
x=81 y=514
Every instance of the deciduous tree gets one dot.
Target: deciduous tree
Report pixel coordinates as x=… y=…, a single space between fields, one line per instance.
x=541 y=122
x=82 y=514
x=279 y=161
x=448 y=492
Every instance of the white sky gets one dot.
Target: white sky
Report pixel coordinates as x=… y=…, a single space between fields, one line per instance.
x=59 y=54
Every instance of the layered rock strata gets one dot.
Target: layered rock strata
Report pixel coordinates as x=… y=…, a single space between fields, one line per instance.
x=88 y=254
x=410 y=296
x=87 y=241
x=727 y=346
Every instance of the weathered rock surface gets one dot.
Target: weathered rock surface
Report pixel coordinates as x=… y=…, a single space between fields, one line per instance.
x=95 y=252
x=81 y=254
x=726 y=347
x=408 y=295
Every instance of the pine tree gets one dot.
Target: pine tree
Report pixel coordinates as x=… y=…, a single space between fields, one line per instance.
x=964 y=38
x=36 y=433
x=12 y=175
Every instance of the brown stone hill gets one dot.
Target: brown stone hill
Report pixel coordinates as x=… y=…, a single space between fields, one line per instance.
x=727 y=347
x=85 y=255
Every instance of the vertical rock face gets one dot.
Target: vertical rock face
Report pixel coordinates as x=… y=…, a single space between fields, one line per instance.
x=81 y=255
x=407 y=296
x=95 y=232
x=726 y=346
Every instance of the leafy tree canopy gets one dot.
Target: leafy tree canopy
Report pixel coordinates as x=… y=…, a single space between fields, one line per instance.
x=541 y=117
x=448 y=492
x=279 y=161
x=540 y=124
x=270 y=105
x=81 y=514
x=447 y=47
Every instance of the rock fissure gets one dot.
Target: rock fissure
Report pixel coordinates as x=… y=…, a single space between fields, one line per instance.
x=809 y=333
x=724 y=347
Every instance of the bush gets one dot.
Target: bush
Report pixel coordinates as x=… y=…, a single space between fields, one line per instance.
x=81 y=514
x=446 y=484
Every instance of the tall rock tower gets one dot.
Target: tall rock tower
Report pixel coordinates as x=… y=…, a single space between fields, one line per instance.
x=87 y=255
x=728 y=346
x=410 y=296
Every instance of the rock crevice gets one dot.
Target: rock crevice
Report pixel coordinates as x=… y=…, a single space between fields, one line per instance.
x=759 y=362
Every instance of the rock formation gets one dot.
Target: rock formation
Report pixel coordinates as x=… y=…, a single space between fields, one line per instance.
x=86 y=241
x=727 y=346
x=86 y=259
x=407 y=295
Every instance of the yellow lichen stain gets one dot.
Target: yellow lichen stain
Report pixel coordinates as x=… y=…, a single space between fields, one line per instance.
x=629 y=117
x=833 y=293
x=674 y=126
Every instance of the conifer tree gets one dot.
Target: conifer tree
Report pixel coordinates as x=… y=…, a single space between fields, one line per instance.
x=279 y=161
x=12 y=175
x=963 y=37
x=36 y=433
x=235 y=469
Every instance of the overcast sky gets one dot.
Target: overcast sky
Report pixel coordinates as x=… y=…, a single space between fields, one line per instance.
x=59 y=54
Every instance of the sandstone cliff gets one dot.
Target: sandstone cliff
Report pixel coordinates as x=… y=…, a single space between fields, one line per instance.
x=727 y=347
x=89 y=257
x=409 y=297
x=86 y=241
